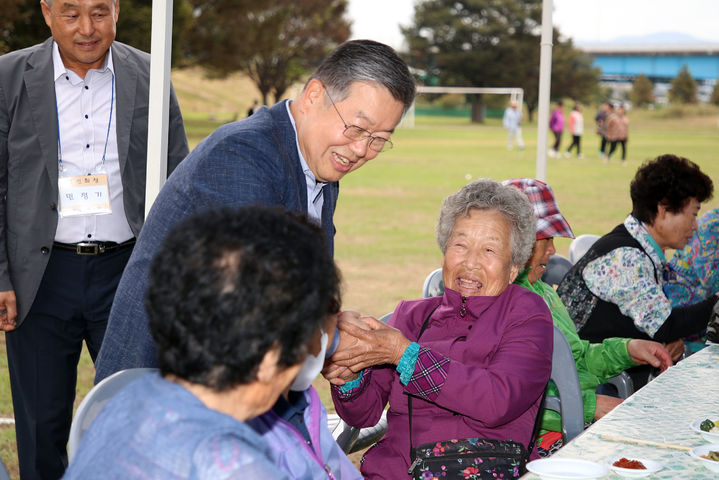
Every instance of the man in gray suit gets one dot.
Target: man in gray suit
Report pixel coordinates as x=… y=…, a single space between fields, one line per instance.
x=73 y=141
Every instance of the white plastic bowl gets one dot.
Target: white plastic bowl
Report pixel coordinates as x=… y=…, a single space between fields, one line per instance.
x=651 y=467
x=710 y=437
x=567 y=469
x=697 y=452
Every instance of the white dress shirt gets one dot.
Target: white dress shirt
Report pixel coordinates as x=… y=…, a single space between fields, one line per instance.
x=83 y=114
x=315 y=199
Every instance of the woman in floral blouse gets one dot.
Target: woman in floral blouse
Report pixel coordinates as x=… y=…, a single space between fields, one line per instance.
x=615 y=289
x=697 y=270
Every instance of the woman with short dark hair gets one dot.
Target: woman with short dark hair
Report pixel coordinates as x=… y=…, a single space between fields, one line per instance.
x=240 y=302
x=615 y=289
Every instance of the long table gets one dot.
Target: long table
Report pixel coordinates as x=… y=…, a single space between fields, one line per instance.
x=659 y=412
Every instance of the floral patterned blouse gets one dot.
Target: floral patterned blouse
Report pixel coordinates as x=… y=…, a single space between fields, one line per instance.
x=626 y=277
x=697 y=265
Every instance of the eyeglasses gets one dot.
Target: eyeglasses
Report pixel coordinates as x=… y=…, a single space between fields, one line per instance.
x=355 y=133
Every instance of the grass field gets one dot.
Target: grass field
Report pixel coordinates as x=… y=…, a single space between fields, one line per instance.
x=387 y=211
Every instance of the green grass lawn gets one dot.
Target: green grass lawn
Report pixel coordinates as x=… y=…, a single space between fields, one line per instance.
x=387 y=211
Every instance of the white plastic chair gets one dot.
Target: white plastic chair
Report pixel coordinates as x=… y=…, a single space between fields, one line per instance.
x=433 y=285
x=580 y=246
x=95 y=400
x=3 y=472
x=557 y=268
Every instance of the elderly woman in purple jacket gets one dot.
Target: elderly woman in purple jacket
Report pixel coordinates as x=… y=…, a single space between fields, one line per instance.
x=484 y=358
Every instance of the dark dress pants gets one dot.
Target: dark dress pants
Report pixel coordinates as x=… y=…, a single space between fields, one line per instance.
x=71 y=305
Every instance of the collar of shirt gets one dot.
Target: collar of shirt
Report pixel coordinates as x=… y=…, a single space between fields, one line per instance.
x=314 y=188
x=637 y=230
x=292 y=410
x=60 y=70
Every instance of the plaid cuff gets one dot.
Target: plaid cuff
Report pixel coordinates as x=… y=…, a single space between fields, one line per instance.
x=350 y=389
x=429 y=375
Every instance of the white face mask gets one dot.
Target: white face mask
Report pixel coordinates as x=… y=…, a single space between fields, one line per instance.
x=311 y=368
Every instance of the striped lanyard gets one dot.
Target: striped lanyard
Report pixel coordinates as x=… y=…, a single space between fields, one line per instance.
x=107 y=135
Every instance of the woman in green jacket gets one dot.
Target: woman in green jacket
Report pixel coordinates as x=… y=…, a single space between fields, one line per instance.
x=596 y=362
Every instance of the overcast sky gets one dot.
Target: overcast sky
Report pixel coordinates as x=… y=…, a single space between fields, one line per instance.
x=587 y=21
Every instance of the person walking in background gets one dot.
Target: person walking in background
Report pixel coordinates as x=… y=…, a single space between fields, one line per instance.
x=576 y=128
x=512 y=121
x=61 y=258
x=617 y=132
x=601 y=120
x=556 y=125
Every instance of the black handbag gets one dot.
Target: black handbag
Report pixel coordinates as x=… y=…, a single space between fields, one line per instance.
x=467 y=458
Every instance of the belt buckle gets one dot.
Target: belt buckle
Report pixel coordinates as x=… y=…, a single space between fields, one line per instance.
x=86 y=248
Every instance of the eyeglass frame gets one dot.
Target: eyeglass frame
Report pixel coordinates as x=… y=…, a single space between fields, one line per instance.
x=387 y=145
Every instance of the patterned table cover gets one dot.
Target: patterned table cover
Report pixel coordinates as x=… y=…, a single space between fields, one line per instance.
x=659 y=412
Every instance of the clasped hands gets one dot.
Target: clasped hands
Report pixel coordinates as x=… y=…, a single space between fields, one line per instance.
x=364 y=342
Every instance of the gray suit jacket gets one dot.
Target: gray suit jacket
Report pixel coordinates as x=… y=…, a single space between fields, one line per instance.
x=28 y=157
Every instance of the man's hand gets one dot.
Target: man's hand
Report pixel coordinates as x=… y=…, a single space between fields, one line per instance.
x=650 y=352
x=8 y=310
x=675 y=348
x=373 y=343
x=605 y=404
x=338 y=375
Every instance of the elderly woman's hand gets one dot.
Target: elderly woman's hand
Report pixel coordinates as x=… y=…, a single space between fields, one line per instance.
x=650 y=352
x=374 y=343
x=675 y=348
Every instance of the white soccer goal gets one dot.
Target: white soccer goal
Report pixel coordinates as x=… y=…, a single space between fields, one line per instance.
x=515 y=94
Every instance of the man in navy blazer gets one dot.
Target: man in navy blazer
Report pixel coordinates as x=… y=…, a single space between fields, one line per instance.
x=74 y=105
x=291 y=155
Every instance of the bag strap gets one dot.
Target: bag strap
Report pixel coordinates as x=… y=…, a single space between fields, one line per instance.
x=409 y=397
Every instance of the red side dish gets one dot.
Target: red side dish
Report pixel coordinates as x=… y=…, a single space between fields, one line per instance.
x=631 y=464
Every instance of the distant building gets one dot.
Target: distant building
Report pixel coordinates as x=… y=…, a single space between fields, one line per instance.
x=621 y=63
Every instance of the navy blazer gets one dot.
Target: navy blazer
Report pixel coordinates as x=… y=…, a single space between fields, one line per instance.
x=29 y=165
x=250 y=162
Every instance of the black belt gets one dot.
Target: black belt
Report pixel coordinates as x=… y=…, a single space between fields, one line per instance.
x=92 y=248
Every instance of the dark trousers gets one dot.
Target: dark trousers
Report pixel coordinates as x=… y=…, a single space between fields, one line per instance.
x=603 y=145
x=557 y=140
x=576 y=142
x=613 y=147
x=71 y=306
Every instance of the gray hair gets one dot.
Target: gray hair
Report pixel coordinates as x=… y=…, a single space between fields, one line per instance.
x=488 y=194
x=366 y=61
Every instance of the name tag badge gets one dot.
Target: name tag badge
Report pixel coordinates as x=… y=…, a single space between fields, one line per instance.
x=84 y=195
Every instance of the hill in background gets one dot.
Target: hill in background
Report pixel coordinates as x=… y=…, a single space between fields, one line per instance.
x=225 y=99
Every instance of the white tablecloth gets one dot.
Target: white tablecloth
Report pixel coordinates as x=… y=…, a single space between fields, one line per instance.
x=659 y=412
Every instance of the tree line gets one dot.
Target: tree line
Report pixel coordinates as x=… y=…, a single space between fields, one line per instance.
x=479 y=43
x=274 y=43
